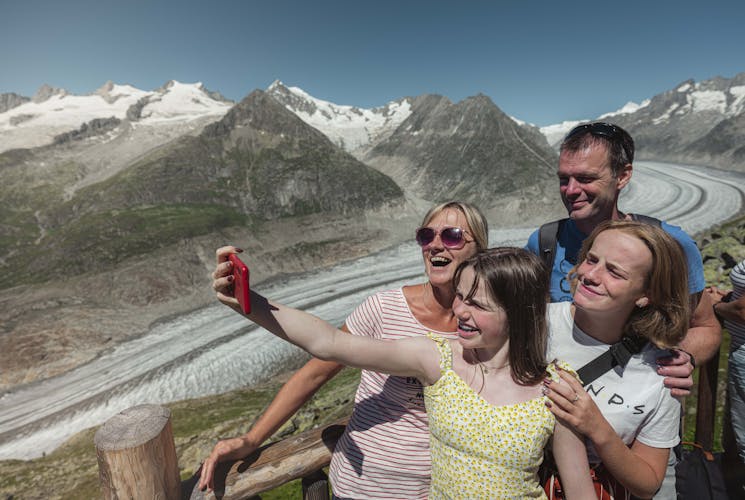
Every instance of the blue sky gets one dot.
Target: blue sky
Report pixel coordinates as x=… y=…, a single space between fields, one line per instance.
x=542 y=62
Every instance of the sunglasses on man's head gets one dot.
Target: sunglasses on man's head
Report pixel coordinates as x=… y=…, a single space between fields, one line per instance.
x=600 y=129
x=451 y=237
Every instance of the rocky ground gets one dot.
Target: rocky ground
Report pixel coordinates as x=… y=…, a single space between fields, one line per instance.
x=71 y=471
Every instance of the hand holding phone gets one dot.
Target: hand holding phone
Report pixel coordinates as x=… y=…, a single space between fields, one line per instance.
x=240 y=283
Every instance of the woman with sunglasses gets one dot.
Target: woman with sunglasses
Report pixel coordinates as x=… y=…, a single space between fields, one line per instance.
x=488 y=419
x=384 y=452
x=628 y=282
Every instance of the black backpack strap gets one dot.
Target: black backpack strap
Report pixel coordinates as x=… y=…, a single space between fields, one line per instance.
x=618 y=354
x=646 y=219
x=548 y=234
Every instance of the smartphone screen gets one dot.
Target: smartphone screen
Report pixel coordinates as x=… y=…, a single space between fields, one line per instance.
x=240 y=283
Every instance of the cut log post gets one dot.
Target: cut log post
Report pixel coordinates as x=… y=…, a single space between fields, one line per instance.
x=137 y=456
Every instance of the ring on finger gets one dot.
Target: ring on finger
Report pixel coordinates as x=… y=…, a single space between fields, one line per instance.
x=576 y=398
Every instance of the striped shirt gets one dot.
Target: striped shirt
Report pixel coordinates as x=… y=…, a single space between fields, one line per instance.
x=384 y=452
x=736 y=329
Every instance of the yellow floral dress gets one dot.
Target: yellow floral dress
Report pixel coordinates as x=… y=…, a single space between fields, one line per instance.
x=480 y=450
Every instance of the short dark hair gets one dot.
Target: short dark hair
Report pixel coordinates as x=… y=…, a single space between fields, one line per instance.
x=618 y=143
x=518 y=281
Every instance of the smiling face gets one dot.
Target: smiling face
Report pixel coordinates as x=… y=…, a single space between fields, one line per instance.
x=612 y=277
x=587 y=185
x=441 y=262
x=482 y=322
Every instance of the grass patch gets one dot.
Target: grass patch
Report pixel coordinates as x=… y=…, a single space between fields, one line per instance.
x=98 y=241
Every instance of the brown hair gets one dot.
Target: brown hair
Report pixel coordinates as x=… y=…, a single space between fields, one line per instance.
x=664 y=320
x=478 y=228
x=518 y=281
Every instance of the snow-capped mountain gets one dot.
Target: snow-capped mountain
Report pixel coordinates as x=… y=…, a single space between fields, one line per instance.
x=696 y=122
x=351 y=128
x=556 y=132
x=36 y=122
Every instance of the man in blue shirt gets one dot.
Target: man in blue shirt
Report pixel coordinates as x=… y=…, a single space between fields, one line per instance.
x=595 y=164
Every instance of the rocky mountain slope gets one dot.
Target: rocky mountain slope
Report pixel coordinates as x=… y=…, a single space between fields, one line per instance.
x=468 y=150
x=87 y=264
x=349 y=127
x=437 y=150
x=700 y=123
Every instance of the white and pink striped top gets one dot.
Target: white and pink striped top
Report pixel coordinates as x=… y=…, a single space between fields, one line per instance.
x=384 y=453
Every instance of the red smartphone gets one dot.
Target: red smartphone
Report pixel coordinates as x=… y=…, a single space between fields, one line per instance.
x=240 y=283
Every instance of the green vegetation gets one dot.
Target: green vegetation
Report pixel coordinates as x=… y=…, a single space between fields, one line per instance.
x=96 y=241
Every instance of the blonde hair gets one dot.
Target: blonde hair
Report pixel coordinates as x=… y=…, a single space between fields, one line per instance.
x=478 y=228
x=664 y=320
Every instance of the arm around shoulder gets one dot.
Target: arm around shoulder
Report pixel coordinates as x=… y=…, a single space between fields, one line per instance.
x=704 y=332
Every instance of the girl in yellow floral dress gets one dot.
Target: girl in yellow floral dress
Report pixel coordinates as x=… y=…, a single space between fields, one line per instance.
x=487 y=414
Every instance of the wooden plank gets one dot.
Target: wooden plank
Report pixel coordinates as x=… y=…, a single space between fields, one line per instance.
x=272 y=465
x=707 y=401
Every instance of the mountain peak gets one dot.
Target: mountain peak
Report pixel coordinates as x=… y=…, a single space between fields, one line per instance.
x=276 y=85
x=46 y=91
x=349 y=127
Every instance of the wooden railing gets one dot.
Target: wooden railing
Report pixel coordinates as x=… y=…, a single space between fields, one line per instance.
x=301 y=456
x=137 y=458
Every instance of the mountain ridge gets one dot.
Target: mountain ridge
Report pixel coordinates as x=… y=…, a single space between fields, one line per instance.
x=698 y=123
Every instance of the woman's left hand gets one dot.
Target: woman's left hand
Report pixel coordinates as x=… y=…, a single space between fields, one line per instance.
x=572 y=405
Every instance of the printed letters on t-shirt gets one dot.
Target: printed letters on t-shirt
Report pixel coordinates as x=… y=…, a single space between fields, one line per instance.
x=615 y=399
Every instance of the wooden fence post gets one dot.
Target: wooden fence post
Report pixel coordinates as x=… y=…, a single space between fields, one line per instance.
x=137 y=456
x=707 y=402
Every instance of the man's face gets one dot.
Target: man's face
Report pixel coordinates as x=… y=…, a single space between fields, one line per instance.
x=587 y=185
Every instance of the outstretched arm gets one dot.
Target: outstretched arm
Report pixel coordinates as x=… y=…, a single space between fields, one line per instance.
x=640 y=468
x=294 y=394
x=414 y=357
